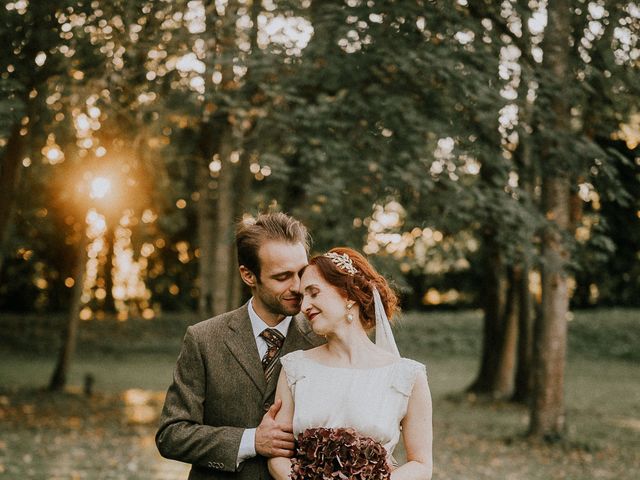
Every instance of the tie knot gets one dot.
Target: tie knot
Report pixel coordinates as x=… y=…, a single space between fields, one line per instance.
x=273 y=337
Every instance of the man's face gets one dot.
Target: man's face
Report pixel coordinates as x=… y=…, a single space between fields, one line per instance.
x=277 y=291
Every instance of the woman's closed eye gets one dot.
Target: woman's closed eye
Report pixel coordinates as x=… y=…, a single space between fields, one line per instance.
x=312 y=292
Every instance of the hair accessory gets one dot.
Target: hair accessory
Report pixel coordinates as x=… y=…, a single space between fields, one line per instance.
x=342 y=261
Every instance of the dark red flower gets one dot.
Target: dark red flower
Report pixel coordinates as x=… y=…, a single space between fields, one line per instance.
x=338 y=453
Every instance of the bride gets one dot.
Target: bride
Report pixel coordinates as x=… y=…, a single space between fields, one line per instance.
x=351 y=382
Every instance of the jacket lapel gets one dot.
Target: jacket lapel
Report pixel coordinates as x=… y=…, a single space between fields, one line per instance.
x=297 y=339
x=242 y=345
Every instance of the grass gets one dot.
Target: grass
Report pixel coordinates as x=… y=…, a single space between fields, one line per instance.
x=597 y=334
x=111 y=434
x=475 y=439
x=112 y=373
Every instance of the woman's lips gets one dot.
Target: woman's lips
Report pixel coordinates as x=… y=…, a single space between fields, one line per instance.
x=311 y=316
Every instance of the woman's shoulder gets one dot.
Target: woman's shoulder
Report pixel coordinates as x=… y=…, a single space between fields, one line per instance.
x=293 y=366
x=406 y=373
x=299 y=355
x=411 y=364
x=291 y=358
x=294 y=354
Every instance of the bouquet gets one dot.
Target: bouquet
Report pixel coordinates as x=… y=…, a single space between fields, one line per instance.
x=338 y=453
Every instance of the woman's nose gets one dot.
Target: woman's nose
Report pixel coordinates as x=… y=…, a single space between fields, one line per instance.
x=305 y=305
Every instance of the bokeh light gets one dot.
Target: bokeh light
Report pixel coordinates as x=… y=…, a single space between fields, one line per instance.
x=100 y=187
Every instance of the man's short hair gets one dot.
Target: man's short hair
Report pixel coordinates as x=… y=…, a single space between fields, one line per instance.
x=251 y=233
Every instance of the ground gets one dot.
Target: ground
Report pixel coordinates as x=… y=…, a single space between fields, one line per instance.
x=110 y=434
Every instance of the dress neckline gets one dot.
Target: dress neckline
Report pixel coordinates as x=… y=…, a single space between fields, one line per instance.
x=380 y=367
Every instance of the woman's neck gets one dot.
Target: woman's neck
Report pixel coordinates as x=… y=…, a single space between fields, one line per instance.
x=349 y=346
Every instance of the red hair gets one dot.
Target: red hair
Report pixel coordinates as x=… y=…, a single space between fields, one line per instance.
x=359 y=286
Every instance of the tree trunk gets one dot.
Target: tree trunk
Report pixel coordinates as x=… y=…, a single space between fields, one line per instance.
x=524 y=159
x=524 y=379
x=70 y=333
x=547 y=412
x=206 y=223
x=215 y=218
x=494 y=294
x=523 y=384
x=244 y=178
x=222 y=264
x=518 y=334
x=507 y=348
x=9 y=180
x=500 y=335
x=109 y=305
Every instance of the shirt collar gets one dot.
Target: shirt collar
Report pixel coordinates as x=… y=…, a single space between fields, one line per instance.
x=258 y=325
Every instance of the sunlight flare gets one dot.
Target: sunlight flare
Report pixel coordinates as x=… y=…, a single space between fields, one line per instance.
x=100 y=187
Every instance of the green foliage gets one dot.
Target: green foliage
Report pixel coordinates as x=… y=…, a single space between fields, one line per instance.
x=388 y=102
x=607 y=264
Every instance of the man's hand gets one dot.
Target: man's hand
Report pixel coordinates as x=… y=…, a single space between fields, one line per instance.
x=274 y=439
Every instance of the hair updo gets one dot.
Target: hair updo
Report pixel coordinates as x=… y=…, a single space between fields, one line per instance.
x=359 y=286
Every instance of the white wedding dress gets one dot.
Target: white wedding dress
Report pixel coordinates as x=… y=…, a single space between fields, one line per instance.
x=373 y=401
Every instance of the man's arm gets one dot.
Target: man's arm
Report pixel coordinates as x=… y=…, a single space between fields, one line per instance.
x=182 y=435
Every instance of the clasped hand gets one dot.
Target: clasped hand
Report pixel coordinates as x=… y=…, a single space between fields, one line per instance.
x=274 y=439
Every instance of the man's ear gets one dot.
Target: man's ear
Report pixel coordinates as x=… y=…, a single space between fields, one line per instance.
x=248 y=277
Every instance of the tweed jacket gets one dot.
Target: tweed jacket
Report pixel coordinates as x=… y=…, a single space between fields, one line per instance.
x=218 y=391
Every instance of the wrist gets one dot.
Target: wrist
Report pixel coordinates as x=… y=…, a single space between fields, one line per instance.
x=247 y=447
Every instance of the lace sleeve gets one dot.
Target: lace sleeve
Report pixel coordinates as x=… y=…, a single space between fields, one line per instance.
x=292 y=367
x=406 y=376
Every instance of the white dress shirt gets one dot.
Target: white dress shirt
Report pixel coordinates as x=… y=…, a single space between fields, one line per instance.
x=248 y=442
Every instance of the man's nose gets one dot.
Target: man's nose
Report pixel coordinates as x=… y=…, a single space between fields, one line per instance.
x=295 y=284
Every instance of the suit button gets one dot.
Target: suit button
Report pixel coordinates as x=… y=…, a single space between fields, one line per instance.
x=210 y=464
x=266 y=406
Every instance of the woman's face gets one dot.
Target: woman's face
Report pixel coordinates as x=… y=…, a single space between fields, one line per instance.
x=322 y=303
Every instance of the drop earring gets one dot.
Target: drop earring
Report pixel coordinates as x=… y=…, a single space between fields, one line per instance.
x=349 y=315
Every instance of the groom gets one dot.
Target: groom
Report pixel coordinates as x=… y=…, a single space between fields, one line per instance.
x=219 y=413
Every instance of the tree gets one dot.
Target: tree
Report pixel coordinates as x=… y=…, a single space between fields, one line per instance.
x=32 y=59
x=561 y=126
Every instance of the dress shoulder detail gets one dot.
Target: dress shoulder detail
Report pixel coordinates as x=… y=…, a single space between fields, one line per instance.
x=292 y=366
x=407 y=371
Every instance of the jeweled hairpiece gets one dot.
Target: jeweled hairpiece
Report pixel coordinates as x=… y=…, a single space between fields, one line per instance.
x=342 y=261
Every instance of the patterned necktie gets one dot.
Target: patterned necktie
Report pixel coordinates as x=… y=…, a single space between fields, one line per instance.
x=274 y=340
